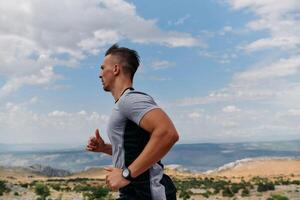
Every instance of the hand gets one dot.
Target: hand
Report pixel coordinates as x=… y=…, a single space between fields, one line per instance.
x=96 y=143
x=114 y=178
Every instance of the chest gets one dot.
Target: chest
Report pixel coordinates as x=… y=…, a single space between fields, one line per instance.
x=116 y=126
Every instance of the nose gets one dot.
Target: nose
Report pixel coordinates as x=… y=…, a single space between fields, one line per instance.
x=100 y=74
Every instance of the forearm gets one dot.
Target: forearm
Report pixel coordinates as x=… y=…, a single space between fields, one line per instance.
x=158 y=145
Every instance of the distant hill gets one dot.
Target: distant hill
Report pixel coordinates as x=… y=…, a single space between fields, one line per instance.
x=42 y=147
x=48 y=171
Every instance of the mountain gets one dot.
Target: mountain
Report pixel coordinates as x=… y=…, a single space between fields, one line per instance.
x=48 y=171
x=198 y=157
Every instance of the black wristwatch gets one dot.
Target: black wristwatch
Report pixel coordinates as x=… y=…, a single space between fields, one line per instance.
x=126 y=173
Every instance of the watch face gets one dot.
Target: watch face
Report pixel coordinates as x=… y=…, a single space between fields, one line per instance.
x=125 y=173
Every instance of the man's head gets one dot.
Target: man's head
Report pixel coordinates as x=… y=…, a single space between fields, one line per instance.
x=118 y=60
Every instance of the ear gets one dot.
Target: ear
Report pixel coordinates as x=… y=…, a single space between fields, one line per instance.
x=116 y=69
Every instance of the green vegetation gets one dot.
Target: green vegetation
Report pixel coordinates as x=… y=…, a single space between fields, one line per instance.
x=286 y=181
x=24 y=185
x=96 y=193
x=206 y=194
x=227 y=192
x=55 y=186
x=245 y=192
x=3 y=188
x=83 y=188
x=278 y=197
x=223 y=186
x=262 y=187
x=235 y=187
x=185 y=194
x=212 y=187
x=264 y=184
x=42 y=191
x=93 y=189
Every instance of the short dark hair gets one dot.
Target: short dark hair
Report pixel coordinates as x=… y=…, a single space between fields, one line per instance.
x=128 y=57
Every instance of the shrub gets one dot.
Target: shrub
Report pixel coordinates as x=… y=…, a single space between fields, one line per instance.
x=42 y=190
x=83 y=188
x=56 y=186
x=100 y=192
x=3 y=188
x=185 y=194
x=227 y=192
x=278 y=197
x=24 y=185
x=206 y=194
x=262 y=187
x=235 y=187
x=296 y=182
x=96 y=193
x=219 y=185
x=245 y=192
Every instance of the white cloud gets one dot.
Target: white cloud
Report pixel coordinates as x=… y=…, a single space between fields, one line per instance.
x=232 y=93
x=182 y=20
x=229 y=124
x=157 y=78
x=44 y=76
x=101 y=38
x=268 y=90
x=227 y=28
x=230 y=109
x=280 y=68
x=38 y=34
x=276 y=42
x=279 y=18
x=194 y=115
x=20 y=124
x=33 y=100
x=270 y=94
x=161 y=64
x=253 y=123
x=222 y=58
x=294 y=112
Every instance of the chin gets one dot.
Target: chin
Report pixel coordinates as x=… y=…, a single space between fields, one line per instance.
x=106 y=89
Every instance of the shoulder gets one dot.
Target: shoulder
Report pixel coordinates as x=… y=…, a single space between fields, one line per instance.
x=134 y=105
x=134 y=96
x=137 y=101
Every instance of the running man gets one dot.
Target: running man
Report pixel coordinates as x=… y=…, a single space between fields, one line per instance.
x=140 y=132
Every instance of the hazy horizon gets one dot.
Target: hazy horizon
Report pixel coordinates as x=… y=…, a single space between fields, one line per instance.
x=178 y=143
x=206 y=156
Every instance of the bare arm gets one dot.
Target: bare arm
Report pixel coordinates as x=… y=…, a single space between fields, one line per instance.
x=97 y=144
x=163 y=137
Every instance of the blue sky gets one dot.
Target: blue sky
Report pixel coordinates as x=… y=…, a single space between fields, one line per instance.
x=224 y=70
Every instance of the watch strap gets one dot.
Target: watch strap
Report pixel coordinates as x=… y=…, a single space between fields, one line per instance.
x=127 y=177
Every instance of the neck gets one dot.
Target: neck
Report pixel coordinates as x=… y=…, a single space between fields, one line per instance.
x=120 y=87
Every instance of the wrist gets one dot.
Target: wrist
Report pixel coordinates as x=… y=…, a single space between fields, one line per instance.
x=126 y=174
x=132 y=172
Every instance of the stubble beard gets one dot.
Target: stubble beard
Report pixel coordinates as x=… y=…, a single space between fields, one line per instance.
x=106 y=89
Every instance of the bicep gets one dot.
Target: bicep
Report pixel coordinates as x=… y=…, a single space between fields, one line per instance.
x=156 y=119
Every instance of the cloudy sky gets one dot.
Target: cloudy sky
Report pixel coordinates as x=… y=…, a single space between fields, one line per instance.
x=224 y=70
